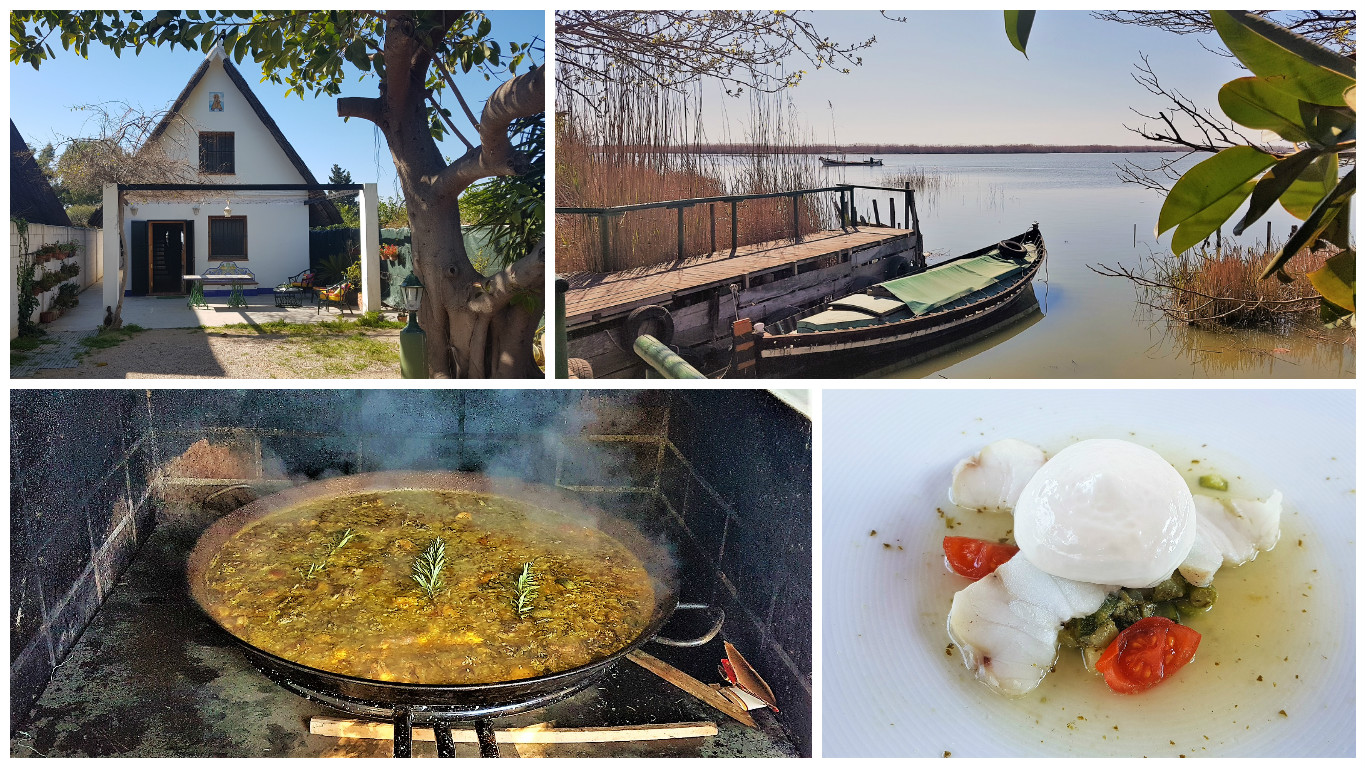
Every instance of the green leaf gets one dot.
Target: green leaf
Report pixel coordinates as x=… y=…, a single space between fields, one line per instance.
x=1274 y=184
x=1332 y=315
x=1310 y=186
x=1286 y=60
x=1336 y=281
x=1255 y=103
x=1328 y=126
x=1203 y=224
x=1018 y=24
x=1349 y=96
x=1209 y=182
x=1337 y=202
x=357 y=54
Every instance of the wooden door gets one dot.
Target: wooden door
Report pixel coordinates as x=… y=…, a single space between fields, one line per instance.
x=166 y=251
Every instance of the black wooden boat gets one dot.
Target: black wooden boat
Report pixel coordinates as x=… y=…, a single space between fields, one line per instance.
x=829 y=161
x=929 y=310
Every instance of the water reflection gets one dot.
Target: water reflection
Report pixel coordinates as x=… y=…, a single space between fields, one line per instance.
x=1094 y=328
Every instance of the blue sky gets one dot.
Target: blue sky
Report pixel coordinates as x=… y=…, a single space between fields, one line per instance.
x=41 y=101
x=952 y=77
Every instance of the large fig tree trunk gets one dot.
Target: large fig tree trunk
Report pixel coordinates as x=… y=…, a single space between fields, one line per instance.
x=475 y=328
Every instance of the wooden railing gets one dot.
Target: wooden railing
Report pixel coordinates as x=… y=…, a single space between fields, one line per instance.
x=848 y=214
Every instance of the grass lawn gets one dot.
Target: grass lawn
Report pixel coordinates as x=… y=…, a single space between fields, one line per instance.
x=105 y=338
x=367 y=321
x=22 y=345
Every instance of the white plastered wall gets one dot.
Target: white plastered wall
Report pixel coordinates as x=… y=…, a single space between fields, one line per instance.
x=277 y=223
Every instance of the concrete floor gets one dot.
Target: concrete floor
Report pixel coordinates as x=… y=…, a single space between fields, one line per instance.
x=152 y=677
x=174 y=312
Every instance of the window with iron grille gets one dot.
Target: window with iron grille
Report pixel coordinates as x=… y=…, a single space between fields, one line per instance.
x=216 y=152
x=227 y=237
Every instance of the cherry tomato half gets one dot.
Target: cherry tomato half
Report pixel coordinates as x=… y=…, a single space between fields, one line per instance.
x=1148 y=652
x=975 y=558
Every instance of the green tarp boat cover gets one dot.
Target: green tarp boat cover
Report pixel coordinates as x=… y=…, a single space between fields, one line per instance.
x=832 y=319
x=942 y=285
x=873 y=305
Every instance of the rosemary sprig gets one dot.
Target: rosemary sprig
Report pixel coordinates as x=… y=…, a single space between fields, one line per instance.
x=427 y=568
x=316 y=567
x=343 y=539
x=527 y=589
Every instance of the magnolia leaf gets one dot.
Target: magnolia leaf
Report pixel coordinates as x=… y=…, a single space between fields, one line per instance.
x=1328 y=126
x=1284 y=59
x=1338 y=232
x=1209 y=182
x=1336 y=281
x=1018 y=24
x=1274 y=184
x=1333 y=316
x=1310 y=187
x=1207 y=220
x=1349 y=97
x=1336 y=202
x=1255 y=103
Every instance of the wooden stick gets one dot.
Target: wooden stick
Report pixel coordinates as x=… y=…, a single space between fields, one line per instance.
x=536 y=734
x=693 y=686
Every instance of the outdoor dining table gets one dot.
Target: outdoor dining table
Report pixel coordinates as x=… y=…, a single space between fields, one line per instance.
x=235 y=299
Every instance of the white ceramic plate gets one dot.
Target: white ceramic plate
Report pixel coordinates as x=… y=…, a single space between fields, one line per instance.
x=1276 y=670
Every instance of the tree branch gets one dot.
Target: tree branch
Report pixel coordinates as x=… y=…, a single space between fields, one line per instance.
x=522 y=96
x=524 y=274
x=364 y=107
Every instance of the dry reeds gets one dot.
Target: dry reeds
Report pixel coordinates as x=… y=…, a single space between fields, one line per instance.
x=1222 y=289
x=627 y=145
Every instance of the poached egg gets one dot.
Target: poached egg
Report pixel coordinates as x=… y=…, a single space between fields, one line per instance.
x=1106 y=512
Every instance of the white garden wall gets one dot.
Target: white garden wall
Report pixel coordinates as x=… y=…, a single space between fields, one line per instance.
x=89 y=256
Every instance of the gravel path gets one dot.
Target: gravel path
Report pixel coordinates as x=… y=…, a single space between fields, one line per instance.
x=194 y=354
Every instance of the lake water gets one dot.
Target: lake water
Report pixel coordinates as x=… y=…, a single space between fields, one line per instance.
x=1092 y=326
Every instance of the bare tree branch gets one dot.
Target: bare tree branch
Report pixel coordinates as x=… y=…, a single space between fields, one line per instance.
x=522 y=96
x=1331 y=29
x=671 y=49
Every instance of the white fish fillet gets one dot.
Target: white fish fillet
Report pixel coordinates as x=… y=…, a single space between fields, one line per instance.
x=1006 y=624
x=1230 y=532
x=992 y=480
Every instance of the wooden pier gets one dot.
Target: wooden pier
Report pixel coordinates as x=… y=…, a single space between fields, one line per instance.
x=704 y=295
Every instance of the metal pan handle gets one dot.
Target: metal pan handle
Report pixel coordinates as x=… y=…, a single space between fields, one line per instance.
x=717 y=615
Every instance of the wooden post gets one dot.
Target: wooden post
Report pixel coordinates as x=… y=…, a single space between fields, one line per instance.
x=891 y=212
x=712 y=206
x=877 y=217
x=907 y=212
x=915 y=218
x=680 y=233
x=734 y=226
x=604 y=242
x=844 y=213
x=1268 y=235
x=796 y=218
x=853 y=210
x=742 y=347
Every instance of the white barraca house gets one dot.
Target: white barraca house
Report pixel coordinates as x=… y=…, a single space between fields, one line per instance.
x=252 y=203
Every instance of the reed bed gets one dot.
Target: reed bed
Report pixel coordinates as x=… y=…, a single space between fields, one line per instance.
x=624 y=146
x=1222 y=289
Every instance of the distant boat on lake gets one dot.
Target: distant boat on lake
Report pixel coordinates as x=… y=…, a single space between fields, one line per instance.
x=829 y=161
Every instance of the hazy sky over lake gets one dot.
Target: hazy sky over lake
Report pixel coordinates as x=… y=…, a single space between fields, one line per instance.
x=42 y=101
x=952 y=77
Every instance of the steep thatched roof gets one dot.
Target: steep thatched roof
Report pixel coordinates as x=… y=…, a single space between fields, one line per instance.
x=322 y=212
x=30 y=195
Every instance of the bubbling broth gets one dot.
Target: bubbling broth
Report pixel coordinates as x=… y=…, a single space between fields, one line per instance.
x=518 y=592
